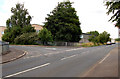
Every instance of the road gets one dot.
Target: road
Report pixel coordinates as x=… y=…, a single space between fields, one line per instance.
x=55 y=61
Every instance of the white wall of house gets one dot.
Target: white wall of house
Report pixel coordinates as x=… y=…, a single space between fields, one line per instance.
x=2 y=28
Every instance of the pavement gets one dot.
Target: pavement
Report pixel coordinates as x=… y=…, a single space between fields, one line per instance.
x=12 y=55
x=57 y=61
x=107 y=67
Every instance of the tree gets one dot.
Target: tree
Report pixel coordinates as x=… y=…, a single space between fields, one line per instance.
x=63 y=23
x=18 y=23
x=114 y=7
x=95 y=33
x=104 y=37
x=20 y=17
x=93 y=36
x=45 y=36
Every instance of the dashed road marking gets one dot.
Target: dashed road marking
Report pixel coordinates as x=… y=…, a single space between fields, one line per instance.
x=73 y=49
x=27 y=70
x=32 y=56
x=52 y=52
x=68 y=57
x=99 y=62
x=51 y=48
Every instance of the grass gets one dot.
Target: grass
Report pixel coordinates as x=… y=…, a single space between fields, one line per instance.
x=90 y=44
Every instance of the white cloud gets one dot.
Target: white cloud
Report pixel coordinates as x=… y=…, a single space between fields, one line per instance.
x=92 y=13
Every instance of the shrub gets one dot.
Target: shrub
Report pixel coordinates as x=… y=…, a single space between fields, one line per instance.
x=90 y=44
x=45 y=36
x=26 y=39
x=117 y=39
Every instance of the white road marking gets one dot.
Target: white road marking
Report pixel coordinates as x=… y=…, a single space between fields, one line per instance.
x=96 y=65
x=73 y=49
x=68 y=50
x=61 y=51
x=32 y=56
x=51 y=53
x=89 y=70
x=28 y=70
x=51 y=48
x=104 y=58
x=68 y=57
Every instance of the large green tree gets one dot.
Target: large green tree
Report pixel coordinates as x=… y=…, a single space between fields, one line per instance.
x=114 y=7
x=18 y=23
x=63 y=23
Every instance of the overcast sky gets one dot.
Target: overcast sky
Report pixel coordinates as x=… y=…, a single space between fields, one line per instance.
x=92 y=13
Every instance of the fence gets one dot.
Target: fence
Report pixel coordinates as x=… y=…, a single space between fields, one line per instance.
x=60 y=43
x=4 y=47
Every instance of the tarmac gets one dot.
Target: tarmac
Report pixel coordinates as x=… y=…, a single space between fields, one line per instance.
x=12 y=55
x=107 y=67
x=15 y=54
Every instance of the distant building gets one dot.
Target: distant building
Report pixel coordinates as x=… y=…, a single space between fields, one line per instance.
x=2 y=28
x=37 y=27
x=112 y=40
x=84 y=38
x=119 y=33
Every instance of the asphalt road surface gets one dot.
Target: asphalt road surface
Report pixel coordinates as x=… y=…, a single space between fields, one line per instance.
x=55 y=61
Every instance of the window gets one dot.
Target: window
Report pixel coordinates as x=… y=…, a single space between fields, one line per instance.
x=81 y=36
x=2 y=33
x=37 y=31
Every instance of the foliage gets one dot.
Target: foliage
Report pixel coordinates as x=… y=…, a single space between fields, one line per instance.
x=26 y=39
x=104 y=37
x=20 y=16
x=45 y=36
x=90 y=44
x=117 y=39
x=93 y=36
x=114 y=7
x=96 y=33
x=97 y=38
x=18 y=23
x=63 y=23
x=11 y=34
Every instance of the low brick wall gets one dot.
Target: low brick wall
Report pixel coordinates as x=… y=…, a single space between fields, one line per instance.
x=4 y=48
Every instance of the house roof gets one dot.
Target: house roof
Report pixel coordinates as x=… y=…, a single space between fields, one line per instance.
x=37 y=24
x=2 y=26
x=86 y=34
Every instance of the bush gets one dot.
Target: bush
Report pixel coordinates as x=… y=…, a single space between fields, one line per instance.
x=45 y=36
x=90 y=44
x=117 y=39
x=104 y=37
x=26 y=39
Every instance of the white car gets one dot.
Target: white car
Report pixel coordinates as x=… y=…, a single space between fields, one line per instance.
x=109 y=43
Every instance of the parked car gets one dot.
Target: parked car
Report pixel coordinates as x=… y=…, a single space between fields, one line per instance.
x=113 y=43
x=109 y=43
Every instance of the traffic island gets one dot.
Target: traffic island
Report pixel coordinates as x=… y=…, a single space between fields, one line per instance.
x=12 y=55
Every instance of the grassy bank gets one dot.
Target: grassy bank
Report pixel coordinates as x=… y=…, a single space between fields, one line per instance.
x=90 y=44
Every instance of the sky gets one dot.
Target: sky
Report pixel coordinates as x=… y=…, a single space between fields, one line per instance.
x=92 y=13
